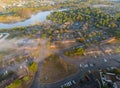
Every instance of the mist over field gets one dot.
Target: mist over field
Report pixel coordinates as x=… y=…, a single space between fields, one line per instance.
x=59 y=43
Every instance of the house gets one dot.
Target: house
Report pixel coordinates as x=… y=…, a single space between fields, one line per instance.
x=75 y=26
x=52 y=45
x=110 y=80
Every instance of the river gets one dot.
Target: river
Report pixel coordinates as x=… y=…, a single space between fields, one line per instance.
x=39 y=17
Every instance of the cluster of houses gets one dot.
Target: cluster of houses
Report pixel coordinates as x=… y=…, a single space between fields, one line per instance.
x=74 y=34
x=104 y=78
x=110 y=79
x=13 y=71
x=22 y=3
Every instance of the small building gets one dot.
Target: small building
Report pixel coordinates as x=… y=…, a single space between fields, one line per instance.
x=108 y=50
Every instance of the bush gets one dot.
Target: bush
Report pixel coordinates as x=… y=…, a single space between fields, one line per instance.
x=16 y=84
x=75 y=52
x=33 y=67
x=116 y=71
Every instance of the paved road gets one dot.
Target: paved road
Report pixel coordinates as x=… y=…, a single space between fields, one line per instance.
x=36 y=81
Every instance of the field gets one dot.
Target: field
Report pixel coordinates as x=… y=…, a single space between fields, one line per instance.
x=54 y=69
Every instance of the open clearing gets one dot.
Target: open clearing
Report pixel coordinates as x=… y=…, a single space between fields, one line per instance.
x=55 y=69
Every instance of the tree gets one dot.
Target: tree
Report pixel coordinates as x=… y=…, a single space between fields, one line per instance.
x=117 y=34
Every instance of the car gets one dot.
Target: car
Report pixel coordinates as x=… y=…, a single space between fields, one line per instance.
x=6 y=72
x=89 y=71
x=80 y=65
x=105 y=60
x=95 y=56
x=91 y=65
x=86 y=65
x=62 y=86
x=112 y=68
x=73 y=81
x=21 y=67
x=69 y=83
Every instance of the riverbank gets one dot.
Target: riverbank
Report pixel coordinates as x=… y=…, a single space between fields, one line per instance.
x=16 y=14
x=10 y=19
x=35 y=19
x=13 y=15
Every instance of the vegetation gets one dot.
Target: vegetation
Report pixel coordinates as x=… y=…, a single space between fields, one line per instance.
x=117 y=71
x=7 y=75
x=75 y=52
x=117 y=50
x=21 y=32
x=33 y=67
x=16 y=84
x=3 y=53
x=19 y=83
x=105 y=86
x=93 y=16
x=14 y=13
x=117 y=34
x=17 y=14
x=95 y=25
x=83 y=14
